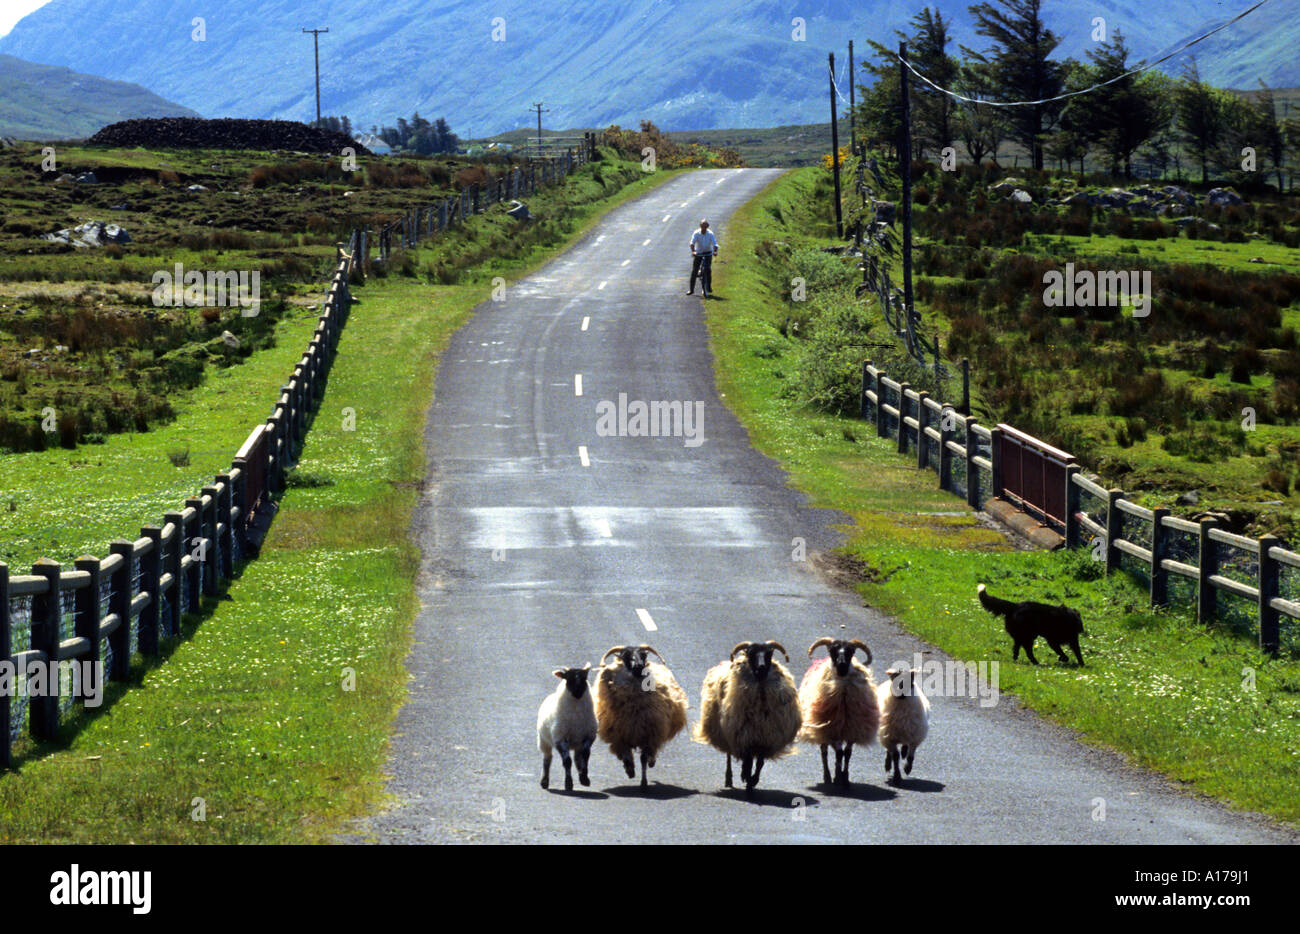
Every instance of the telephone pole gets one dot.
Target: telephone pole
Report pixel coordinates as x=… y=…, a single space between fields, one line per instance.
x=853 y=136
x=315 y=39
x=835 y=153
x=540 y=111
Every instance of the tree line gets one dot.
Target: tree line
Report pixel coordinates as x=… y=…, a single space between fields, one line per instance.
x=1151 y=116
x=417 y=135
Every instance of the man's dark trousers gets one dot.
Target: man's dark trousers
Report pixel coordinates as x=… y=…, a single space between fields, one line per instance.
x=702 y=268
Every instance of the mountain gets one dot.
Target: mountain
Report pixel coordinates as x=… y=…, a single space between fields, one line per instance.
x=1261 y=46
x=47 y=102
x=686 y=64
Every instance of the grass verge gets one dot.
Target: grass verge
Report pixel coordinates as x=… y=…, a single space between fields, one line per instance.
x=1201 y=705
x=269 y=720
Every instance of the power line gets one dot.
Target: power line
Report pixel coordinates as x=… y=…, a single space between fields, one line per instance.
x=1141 y=67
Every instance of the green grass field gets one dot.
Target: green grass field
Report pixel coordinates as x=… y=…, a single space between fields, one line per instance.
x=1203 y=706
x=270 y=716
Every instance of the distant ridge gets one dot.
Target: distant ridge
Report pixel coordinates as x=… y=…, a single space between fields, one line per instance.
x=49 y=102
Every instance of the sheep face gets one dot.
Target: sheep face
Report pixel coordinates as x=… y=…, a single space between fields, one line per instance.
x=575 y=679
x=758 y=656
x=841 y=653
x=634 y=658
x=902 y=681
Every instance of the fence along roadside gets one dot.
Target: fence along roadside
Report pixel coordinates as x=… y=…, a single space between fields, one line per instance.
x=1047 y=483
x=106 y=609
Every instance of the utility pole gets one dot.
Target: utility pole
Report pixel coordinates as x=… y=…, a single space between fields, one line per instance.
x=315 y=40
x=853 y=136
x=835 y=154
x=905 y=160
x=540 y=111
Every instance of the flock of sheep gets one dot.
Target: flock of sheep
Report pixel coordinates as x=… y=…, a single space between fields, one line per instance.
x=749 y=710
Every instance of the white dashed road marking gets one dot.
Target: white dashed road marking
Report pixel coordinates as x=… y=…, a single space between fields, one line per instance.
x=582 y=455
x=646 y=621
x=647 y=242
x=602 y=285
x=577 y=384
x=586 y=321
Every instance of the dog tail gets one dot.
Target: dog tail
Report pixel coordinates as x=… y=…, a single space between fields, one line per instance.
x=993 y=604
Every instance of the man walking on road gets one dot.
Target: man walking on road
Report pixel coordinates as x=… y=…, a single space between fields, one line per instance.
x=704 y=246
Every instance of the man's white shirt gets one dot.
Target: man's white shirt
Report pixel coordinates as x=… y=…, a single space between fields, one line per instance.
x=703 y=242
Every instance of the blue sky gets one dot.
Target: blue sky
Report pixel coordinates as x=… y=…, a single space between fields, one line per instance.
x=11 y=11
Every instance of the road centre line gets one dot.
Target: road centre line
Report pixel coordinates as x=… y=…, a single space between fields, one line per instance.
x=586 y=321
x=646 y=621
x=577 y=384
x=582 y=455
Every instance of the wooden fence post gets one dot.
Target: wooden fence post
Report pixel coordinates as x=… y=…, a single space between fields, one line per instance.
x=1159 y=545
x=882 y=423
x=150 y=572
x=1207 y=564
x=902 y=413
x=225 y=501
x=198 y=551
x=995 y=458
x=175 y=557
x=947 y=419
x=6 y=756
x=213 y=563
x=1269 y=634
x=47 y=620
x=89 y=613
x=922 y=421
x=972 y=469
x=1071 y=506
x=866 y=386
x=119 y=602
x=1114 y=528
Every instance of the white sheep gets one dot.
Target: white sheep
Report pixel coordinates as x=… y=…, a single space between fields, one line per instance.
x=639 y=705
x=566 y=722
x=749 y=709
x=838 y=699
x=904 y=718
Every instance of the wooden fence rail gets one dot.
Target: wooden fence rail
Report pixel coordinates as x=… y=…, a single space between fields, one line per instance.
x=105 y=609
x=1045 y=482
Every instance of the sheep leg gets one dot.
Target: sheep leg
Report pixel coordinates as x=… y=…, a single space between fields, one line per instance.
x=848 y=752
x=729 y=785
x=746 y=763
x=643 y=760
x=546 y=770
x=910 y=756
x=753 y=778
x=583 y=757
x=629 y=765
x=826 y=772
x=567 y=761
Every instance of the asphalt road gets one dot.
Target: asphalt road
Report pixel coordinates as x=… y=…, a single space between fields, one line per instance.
x=546 y=541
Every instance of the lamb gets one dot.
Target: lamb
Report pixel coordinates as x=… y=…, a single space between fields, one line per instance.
x=567 y=721
x=838 y=699
x=749 y=709
x=904 y=718
x=639 y=705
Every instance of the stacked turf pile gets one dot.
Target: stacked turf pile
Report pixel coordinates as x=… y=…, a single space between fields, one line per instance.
x=226 y=133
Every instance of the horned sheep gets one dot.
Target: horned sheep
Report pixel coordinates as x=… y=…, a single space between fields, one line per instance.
x=749 y=709
x=639 y=705
x=837 y=697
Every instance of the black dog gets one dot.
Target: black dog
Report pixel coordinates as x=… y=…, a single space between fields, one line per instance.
x=1027 y=620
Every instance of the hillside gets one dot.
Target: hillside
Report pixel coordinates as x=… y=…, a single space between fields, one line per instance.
x=43 y=102
x=684 y=65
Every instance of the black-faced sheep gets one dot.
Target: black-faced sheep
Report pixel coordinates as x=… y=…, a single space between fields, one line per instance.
x=566 y=722
x=838 y=699
x=639 y=705
x=904 y=718
x=749 y=709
